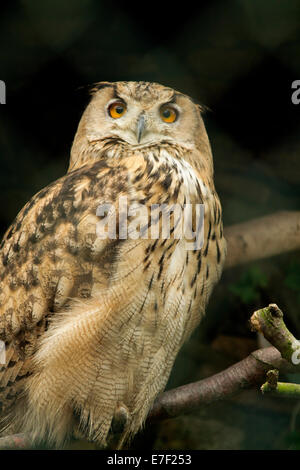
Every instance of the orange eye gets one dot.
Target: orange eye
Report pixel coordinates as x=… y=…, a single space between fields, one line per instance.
x=117 y=109
x=168 y=113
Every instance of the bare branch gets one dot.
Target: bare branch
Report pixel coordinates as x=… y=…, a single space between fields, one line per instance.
x=248 y=373
x=263 y=237
x=280 y=389
x=269 y=321
x=16 y=441
x=272 y=381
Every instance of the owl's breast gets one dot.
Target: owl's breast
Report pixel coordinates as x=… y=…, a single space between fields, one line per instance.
x=178 y=259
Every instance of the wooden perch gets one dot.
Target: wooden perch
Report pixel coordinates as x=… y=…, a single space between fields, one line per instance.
x=280 y=389
x=269 y=322
x=15 y=442
x=248 y=373
x=263 y=237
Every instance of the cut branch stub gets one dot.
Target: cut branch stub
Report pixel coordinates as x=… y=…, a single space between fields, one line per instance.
x=269 y=321
x=272 y=381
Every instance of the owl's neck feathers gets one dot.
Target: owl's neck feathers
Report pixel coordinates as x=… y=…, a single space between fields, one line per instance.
x=199 y=158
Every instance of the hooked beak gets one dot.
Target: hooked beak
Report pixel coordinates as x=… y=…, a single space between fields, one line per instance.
x=140 y=127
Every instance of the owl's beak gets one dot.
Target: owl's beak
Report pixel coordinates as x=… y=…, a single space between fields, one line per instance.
x=140 y=127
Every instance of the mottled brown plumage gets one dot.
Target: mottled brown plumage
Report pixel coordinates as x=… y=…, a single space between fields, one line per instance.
x=92 y=327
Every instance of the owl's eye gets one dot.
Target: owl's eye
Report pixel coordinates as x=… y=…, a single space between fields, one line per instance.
x=168 y=113
x=117 y=109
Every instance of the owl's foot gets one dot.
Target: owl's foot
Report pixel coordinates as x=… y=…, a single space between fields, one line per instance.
x=120 y=419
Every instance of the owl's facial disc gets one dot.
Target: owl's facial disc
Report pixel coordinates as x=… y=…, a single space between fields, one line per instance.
x=139 y=115
x=139 y=124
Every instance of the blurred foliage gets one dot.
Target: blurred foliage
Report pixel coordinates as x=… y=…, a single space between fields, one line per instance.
x=293 y=440
x=248 y=287
x=292 y=279
x=239 y=58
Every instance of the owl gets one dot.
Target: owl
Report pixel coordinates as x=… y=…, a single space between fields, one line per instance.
x=92 y=319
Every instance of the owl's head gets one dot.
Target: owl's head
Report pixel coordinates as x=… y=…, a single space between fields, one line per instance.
x=138 y=115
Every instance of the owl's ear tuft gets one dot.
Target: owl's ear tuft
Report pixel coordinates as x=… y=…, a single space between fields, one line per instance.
x=98 y=86
x=202 y=108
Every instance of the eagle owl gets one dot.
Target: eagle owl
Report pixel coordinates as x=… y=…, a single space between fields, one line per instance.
x=92 y=324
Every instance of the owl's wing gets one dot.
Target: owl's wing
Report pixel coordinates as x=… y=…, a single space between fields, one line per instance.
x=51 y=243
x=50 y=254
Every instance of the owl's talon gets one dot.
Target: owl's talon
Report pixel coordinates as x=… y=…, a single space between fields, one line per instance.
x=120 y=419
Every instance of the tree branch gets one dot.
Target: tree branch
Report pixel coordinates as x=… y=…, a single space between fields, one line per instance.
x=269 y=322
x=279 y=389
x=263 y=237
x=14 y=442
x=248 y=373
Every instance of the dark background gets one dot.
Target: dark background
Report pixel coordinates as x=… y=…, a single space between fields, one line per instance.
x=239 y=58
